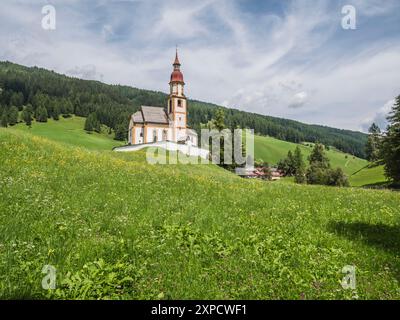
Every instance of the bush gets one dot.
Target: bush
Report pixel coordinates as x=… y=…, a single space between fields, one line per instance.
x=337 y=177
x=330 y=177
x=317 y=175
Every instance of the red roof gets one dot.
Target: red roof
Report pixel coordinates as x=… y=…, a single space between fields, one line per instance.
x=176 y=76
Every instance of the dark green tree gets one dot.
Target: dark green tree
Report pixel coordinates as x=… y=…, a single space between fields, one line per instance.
x=391 y=144
x=13 y=116
x=219 y=120
x=41 y=114
x=56 y=112
x=121 y=132
x=300 y=166
x=318 y=157
x=17 y=99
x=27 y=115
x=4 y=119
x=372 y=148
x=336 y=177
x=92 y=123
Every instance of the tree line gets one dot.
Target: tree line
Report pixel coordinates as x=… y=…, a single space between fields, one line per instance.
x=384 y=147
x=45 y=94
x=319 y=170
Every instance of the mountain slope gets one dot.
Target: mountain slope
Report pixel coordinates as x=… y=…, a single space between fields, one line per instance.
x=272 y=150
x=70 y=131
x=114 y=104
x=369 y=176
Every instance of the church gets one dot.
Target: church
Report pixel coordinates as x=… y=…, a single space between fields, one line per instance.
x=155 y=124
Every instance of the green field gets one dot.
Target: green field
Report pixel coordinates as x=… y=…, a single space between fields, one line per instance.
x=372 y=175
x=70 y=131
x=116 y=227
x=272 y=150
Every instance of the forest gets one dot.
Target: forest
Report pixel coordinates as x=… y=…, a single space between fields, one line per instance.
x=45 y=94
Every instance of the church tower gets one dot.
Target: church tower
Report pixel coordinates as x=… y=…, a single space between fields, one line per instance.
x=177 y=103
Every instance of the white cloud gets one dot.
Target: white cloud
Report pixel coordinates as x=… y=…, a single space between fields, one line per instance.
x=379 y=118
x=295 y=63
x=298 y=100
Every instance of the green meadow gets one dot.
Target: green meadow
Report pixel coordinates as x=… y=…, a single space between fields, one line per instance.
x=116 y=227
x=272 y=150
x=70 y=131
x=370 y=176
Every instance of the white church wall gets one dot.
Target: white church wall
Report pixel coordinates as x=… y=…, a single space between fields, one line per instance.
x=139 y=135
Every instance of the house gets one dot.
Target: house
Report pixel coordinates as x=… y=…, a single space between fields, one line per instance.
x=260 y=173
x=155 y=124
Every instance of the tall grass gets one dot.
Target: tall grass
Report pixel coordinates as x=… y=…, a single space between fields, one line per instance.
x=116 y=227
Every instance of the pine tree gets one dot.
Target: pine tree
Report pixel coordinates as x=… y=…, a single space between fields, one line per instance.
x=41 y=114
x=372 y=148
x=219 y=120
x=391 y=144
x=4 y=119
x=56 y=112
x=318 y=171
x=27 y=115
x=121 y=133
x=318 y=157
x=299 y=165
x=92 y=123
x=13 y=116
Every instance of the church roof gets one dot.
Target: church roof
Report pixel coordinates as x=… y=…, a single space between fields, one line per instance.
x=176 y=62
x=151 y=115
x=137 y=117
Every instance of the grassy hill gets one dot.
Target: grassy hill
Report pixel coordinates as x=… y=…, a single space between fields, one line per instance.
x=116 y=227
x=70 y=131
x=372 y=175
x=272 y=150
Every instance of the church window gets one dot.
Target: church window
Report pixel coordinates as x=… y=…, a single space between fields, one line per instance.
x=179 y=103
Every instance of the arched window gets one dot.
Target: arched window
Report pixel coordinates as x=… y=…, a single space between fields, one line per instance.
x=179 y=103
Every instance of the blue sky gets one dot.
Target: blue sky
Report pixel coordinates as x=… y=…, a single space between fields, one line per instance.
x=288 y=59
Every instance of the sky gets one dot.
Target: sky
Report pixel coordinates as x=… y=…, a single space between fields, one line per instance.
x=290 y=59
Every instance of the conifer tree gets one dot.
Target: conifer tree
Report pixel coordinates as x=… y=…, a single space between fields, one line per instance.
x=13 y=116
x=391 y=144
x=4 y=119
x=27 y=116
x=373 y=144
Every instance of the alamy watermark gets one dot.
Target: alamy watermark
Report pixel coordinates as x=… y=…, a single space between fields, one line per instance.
x=49 y=18
x=349 y=280
x=217 y=147
x=349 y=20
x=49 y=280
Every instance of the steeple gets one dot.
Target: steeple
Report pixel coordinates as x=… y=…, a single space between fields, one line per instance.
x=176 y=75
x=176 y=62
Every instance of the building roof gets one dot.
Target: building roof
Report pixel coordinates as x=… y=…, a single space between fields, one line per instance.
x=137 y=117
x=151 y=115
x=176 y=75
